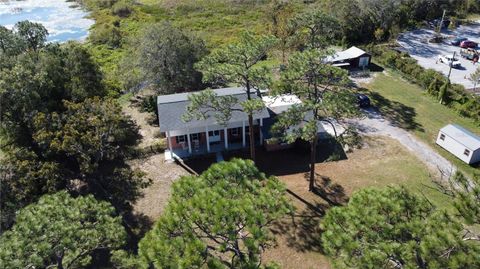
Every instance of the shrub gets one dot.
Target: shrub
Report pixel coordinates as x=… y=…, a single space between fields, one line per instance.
x=456 y=97
x=105 y=34
x=122 y=8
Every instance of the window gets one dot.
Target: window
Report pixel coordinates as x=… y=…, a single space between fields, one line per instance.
x=234 y=131
x=195 y=136
x=466 y=152
x=442 y=137
x=214 y=133
x=180 y=139
x=247 y=130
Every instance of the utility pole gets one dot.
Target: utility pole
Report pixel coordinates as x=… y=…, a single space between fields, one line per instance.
x=451 y=65
x=439 y=29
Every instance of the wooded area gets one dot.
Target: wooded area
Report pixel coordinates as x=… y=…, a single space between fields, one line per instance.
x=67 y=190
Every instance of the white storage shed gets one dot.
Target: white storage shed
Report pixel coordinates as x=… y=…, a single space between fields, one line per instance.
x=460 y=142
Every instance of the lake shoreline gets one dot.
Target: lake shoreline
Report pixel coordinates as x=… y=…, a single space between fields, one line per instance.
x=65 y=20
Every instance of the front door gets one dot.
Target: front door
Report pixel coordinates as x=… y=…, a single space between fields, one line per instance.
x=214 y=136
x=363 y=62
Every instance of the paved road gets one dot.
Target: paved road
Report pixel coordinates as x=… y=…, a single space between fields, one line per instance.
x=375 y=124
x=417 y=45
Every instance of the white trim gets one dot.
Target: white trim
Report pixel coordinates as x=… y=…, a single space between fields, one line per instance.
x=208 y=139
x=189 y=144
x=168 y=141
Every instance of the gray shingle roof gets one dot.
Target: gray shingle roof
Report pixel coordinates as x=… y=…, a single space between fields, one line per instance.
x=171 y=108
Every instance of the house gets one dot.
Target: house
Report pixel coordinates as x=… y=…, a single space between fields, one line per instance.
x=277 y=105
x=351 y=58
x=198 y=137
x=460 y=142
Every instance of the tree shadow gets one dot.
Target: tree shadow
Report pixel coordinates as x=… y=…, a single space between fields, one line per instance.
x=137 y=225
x=333 y=193
x=396 y=113
x=293 y=160
x=373 y=67
x=302 y=229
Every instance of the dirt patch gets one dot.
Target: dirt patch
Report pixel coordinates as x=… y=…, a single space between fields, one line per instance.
x=148 y=132
x=383 y=161
x=156 y=196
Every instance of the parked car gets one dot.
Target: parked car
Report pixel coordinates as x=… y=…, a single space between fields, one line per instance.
x=362 y=100
x=449 y=60
x=468 y=44
x=469 y=54
x=457 y=41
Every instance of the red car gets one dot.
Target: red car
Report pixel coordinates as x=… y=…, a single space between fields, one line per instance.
x=468 y=44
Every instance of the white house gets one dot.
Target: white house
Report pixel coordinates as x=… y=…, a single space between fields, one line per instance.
x=460 y=142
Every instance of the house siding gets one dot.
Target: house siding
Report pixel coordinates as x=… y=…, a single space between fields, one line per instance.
x=457 y=148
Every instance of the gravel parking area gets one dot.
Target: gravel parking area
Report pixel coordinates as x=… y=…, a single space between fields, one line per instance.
x=417 y=45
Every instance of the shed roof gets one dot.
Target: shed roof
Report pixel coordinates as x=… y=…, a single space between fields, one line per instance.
x=462 y=135
x=348 y=54
x=171 y=108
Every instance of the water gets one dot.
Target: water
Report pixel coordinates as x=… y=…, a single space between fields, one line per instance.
x=62 y=19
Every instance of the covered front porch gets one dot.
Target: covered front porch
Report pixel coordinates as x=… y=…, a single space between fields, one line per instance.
x=210 y=139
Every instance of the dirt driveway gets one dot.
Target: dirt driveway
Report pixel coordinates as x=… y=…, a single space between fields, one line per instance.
x=375 y=124
x=162 y=174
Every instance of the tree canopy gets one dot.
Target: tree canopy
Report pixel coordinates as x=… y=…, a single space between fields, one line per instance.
x=315 y=29
x=322 y=89
x=58 y=129
x=393 y=228
x=219 y=219
x=165 y=56
x=60 y=231
x=240 y=63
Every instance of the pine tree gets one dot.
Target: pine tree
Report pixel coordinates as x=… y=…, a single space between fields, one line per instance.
x=60 y=231
x=240 y=63
x=219 y=219
x=321 y=88
x=393 y=228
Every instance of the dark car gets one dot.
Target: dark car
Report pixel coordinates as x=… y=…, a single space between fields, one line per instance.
x=363 y=100
x=458 y=40
x=468 y=44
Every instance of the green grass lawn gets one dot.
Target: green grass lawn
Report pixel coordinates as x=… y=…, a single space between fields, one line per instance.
x=407 y=105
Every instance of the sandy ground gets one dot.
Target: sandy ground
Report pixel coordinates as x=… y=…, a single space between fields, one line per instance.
x=376 y=124
x=156 y=196
x=147 y=131
x=382 y=162
x=162 y=174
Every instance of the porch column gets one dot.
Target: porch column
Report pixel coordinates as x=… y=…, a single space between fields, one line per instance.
x=261 y=133
x=243 y=133
x=168 y=141
x=208 y=139
x=225 y=134
x=189 y=142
